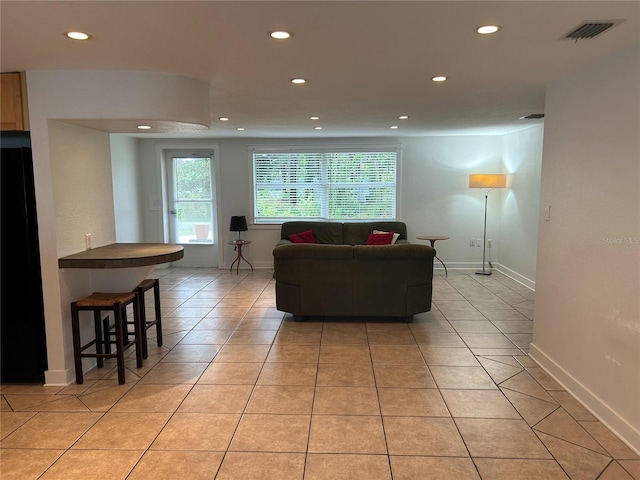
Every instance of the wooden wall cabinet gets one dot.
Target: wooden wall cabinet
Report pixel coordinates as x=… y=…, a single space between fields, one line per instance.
x=14 y=114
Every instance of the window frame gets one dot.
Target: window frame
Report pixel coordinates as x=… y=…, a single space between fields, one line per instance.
x=323 y=149
x=170 y=157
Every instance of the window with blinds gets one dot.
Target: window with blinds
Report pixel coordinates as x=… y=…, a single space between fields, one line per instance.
x=324 y=185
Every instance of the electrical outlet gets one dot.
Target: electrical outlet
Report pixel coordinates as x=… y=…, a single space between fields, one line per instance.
x=547 y=212
x=87 y=240
x=472 y=242
x=479 y=242
x=488 y=243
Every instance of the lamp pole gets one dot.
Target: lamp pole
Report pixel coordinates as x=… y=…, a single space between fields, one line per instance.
x=484 y=236
x=487 y=182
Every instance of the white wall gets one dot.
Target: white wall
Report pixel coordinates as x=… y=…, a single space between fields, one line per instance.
x=153 y=187
x=83 y=203
x=151 y=190
x=127 y=189
x=522 y=161
x=87 y=94
x=587 y=326
x=82 y=188
x=435 y=198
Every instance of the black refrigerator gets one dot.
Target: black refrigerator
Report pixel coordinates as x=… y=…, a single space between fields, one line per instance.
x=23 y=354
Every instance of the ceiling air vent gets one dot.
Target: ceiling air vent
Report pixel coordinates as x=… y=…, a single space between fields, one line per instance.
x=590 y=29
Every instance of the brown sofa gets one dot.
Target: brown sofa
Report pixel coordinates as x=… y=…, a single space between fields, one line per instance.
x=342 y=276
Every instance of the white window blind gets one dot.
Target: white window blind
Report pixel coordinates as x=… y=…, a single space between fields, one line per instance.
x=327 y=185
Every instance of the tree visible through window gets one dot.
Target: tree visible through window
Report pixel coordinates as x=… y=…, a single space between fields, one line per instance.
x=331 y=185
x=193 y=199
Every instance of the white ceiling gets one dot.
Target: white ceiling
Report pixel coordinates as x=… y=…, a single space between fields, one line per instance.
x=366 y=62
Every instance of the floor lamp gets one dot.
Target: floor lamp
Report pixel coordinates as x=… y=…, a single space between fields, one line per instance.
x=487 y=182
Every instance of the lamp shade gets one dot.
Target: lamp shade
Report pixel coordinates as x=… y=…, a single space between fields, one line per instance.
x=488 y=180
x=238 y=224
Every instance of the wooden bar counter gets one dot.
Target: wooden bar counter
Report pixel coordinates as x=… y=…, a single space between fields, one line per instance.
x=123 y=255
x=118 y=267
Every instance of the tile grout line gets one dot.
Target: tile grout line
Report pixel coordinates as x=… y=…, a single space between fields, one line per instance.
x=237 y=327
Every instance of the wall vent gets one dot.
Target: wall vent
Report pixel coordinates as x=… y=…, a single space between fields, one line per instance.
x=532 y=116
x=592 y=29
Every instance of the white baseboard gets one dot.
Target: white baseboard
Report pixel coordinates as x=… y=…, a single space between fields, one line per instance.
x=473 y=266
x=457 y=265
x=59 y=378
x=256 y=266
x=527 y=282
x=629 y=434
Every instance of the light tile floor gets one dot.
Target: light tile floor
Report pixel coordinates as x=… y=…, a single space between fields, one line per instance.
x=241 y=391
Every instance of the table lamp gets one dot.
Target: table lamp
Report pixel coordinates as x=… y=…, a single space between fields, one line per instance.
x=487 y=182
x=238 y=224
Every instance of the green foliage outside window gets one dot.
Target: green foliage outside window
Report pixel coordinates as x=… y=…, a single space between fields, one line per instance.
x=193 y=196
x=326 y=185
x=193 y=178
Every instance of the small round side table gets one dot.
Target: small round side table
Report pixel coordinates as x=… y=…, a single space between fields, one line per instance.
x=237 y=245
x=432 y=239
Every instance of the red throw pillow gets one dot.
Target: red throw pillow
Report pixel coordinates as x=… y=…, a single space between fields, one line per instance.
x=380 y=238
x=303 y=237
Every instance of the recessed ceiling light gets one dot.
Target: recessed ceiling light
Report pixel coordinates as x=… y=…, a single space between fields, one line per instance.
x=298 y=81
x=224 y=119
x=439 y=78
x=144 y=127
x=280 y=35
x=317 y=128
x=78 y=35
x=393 y=127
x=403 y=117
x=240 y=129
x=314 y=118
x=487 y=29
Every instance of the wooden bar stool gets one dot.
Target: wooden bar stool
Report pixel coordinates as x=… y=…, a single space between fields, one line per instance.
x=106 y=302
x=144 y=286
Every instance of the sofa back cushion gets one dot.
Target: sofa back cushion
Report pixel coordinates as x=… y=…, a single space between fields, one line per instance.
x=313 y=250
x=357 y=233
x=323 y=232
